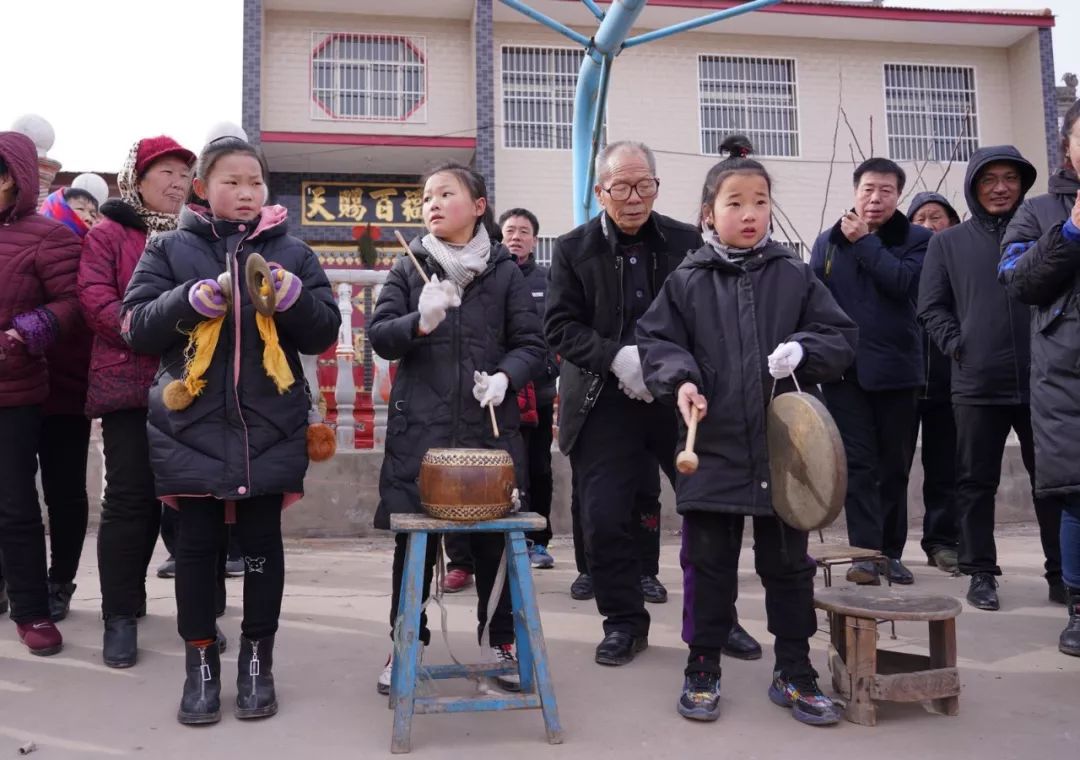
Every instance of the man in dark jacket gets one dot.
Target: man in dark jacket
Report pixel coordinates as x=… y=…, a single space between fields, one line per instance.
x=987 y=335
x=941 y=524
x=604 y=275
x=871 y=260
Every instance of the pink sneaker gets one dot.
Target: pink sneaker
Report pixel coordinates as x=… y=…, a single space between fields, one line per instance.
x=456 y=580
x=41 y=637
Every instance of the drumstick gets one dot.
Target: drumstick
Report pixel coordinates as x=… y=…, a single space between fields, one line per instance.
x=687 y=461
x=420 y=269
x=494 y=424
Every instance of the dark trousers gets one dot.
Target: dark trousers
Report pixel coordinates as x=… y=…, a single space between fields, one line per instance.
x=941 y=522
x=538 y=452
x=620 y=439
x=1070 y=541
x=130 y=513
x=981 y=435
x=62 y=452
x=710 y=559
x=486 y=550
x=198 y=561
x=22 y=534
x=645 y=523
x=170 y=529
x=878 y=430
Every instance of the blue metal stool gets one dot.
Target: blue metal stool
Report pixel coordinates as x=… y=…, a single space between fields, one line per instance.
x=537 y=691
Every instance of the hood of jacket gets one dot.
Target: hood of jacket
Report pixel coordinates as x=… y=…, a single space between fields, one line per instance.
x=921 y=199
x=20 y=155
x=1064 y=182
x=707 y=257
x=979 y=160
x=270 y=223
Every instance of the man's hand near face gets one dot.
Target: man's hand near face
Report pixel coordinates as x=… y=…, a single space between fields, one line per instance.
x=854 y=228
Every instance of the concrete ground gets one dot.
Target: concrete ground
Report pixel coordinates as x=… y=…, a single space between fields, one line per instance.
x=1019 y=697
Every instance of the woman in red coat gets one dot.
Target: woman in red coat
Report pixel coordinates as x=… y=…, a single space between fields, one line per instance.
x=38 y=261
x=154 y=183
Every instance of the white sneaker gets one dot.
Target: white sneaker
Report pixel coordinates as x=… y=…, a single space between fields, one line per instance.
x=506 y=655
x=383 y=684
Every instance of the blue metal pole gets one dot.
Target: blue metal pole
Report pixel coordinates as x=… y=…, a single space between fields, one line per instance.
x=598 y=127
x=699 y=22
x=592 y=6
x=547 y=21
x=607 y=43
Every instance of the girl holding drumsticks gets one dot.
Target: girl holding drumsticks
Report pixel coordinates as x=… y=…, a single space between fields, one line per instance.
x=739 y=317
x=467 y=339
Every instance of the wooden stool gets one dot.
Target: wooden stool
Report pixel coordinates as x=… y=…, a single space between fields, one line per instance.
x=865 y=675
x=537 y=691
x=828 y=556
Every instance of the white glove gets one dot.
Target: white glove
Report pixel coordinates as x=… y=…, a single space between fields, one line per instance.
x=784 y=360
x=490 y=390
x=435 y=299
x=627 y=368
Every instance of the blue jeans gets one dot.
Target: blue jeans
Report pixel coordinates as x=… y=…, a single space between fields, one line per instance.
x=1070 y=542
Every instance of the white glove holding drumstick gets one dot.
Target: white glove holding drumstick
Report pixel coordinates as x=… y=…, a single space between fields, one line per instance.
x=692 y=406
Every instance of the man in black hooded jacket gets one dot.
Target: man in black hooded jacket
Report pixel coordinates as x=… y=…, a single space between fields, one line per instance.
x=987 y=335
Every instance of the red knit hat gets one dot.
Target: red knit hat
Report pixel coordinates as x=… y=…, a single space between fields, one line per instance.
x=153 y=148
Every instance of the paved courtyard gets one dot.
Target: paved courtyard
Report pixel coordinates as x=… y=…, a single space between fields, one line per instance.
x=1020 y=696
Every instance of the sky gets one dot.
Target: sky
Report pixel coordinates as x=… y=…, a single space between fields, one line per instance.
x=109 y=72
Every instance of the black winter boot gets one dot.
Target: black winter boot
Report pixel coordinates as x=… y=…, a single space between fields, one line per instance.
x=201 y=700
x=120 y=644
x=255 y=697
x=1069 y=643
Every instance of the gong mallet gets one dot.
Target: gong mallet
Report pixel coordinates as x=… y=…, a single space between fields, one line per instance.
x=424 y=277
x=687 y=461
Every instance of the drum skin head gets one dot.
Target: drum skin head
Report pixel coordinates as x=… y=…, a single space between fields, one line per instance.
x=806 y=461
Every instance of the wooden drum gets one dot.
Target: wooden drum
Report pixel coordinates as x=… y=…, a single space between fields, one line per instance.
x=467 y=484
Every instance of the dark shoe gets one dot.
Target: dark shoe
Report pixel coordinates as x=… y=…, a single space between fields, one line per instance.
x=981 y=593
x=619 y=648
x=864 y=573
x=255 y=697
x=741 y=645
x=167 y=569
x=121 y=646
x=141 y=612
x=201 y=699
x=3 y=598
x=234 y=568
x=456 y=580
x=60 y=600
x=700 y=698
x=897 y=573
x=801 y=694
x=222 y=642
x=1069 y=643
x=653 y=590
x=582 y=588
x=1058 y=594
x=40 y=636
x=945 y=560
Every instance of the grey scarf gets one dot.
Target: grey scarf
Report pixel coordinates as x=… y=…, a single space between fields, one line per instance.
x=728 y=252
x=461 y=264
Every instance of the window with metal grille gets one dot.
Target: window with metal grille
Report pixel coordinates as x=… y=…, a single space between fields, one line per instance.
x=538 y=87
x=368 y=77
x=931 y=112
x=545 y=248
x=755 y=97
x=799 y=249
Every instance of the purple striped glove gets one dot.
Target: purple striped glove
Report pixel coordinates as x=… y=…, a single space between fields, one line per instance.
x=287 y=286
x=206 y=298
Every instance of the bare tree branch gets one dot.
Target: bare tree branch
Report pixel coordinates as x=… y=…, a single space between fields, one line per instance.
x=832 y=158
x=851 y=150
x=955 y=149
x=791 y=224
x=852 y=132
x=872 y=134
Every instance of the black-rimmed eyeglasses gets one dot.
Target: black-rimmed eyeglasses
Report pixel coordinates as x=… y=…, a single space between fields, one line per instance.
x=646 y=188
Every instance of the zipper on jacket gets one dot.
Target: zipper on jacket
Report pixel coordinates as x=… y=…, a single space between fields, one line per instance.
x=619 y=311
x=234 y=276
x=455 y=389
x=1012 y=327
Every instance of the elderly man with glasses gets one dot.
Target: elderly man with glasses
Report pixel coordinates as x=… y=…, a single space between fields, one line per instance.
x=604 y=275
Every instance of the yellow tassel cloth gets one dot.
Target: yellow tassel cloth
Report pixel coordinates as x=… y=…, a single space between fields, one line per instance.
x=202 y=343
